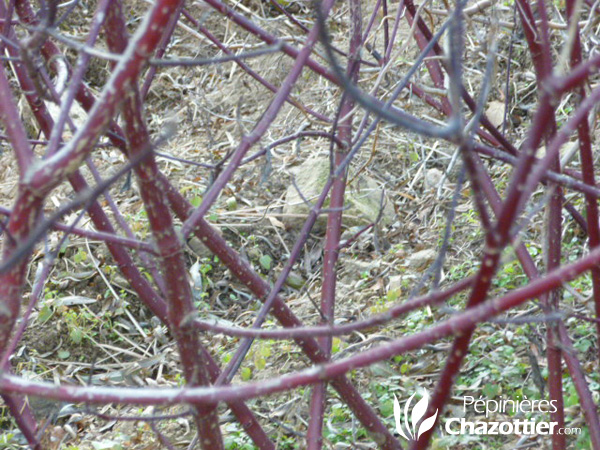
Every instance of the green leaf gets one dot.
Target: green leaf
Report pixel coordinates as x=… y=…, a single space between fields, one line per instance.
x=231 y=204
x=491 y=390
x=583 y=345
x=80 y=256
x=265 y=261
x=64 y=247
x=76 y=335
x=63 y=354
x=571 y=400
x=393 y=295
x=196 y=201
x=45 y=313
x=387 y=408
x=246 y=373
x=265 y=351
x=335 y=345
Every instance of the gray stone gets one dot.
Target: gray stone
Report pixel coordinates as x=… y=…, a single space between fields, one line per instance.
x=362 y=197
x=421 y=259
x=433 y=178
x=395 y=283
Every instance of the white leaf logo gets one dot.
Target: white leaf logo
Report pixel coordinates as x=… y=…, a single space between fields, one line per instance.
x=397 y=415
x=427 y=424
x=417 y=413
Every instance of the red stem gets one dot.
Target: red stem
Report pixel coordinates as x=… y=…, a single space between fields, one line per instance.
x=180 y=305
x=10 y=118
x=587 y=170
x=541 y=56
x=314 y=437
x=590 y=411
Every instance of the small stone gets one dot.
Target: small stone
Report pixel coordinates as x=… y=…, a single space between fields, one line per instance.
x=356 y=267
x=362 y=198
x=419 y=260
x=198 y=247
x=294 y=280
x=395 y=283
x=382 y=369
x=433 y=178
x=253 y=253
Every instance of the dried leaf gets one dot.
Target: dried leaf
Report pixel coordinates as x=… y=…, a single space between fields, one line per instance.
x=495 y=113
